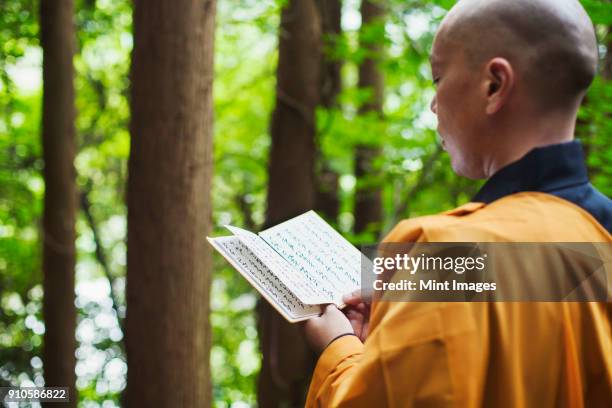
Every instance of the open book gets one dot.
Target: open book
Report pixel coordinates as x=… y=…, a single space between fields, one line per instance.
x=296 y=265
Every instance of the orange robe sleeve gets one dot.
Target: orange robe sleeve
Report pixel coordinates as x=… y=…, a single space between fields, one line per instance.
x=477 y=354
x=403 y=364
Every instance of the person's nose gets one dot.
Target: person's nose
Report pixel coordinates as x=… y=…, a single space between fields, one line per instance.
x=434 y=105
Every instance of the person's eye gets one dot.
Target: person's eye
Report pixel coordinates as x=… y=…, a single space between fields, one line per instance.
x=436 y=80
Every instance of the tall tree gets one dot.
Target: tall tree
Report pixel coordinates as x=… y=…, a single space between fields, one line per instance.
x=368 y=200
x=287 y=362
x=169 y=204
x=58 y=132
x=331 y=30
x=606 y=70
x=327 y=200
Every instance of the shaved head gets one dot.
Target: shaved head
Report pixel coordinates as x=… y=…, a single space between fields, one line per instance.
x=551 y=44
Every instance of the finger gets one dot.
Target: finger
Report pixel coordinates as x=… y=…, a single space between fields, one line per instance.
x=322 y=309
x=352 y=298
x=352 y=314
x=327 y=308
x=363 y=308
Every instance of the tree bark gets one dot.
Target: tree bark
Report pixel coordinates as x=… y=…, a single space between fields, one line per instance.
x=287 y=362
x=60 y=202
x=328 y=183
x=169 y=204
x=327 y=200
x=606 y=70
x=368 y=201
x=331 y=26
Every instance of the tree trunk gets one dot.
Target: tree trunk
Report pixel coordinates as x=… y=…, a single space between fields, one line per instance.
x=368 y=202
x=328 y=183
x=327 y=200
x=287 y=362
x=169 y=204
x=331 y=24
x=606 y=69
x=58 y=133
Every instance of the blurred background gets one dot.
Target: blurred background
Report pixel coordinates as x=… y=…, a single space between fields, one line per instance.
x=360 y=131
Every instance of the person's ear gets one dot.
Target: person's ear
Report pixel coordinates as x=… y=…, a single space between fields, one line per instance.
x=499 y=83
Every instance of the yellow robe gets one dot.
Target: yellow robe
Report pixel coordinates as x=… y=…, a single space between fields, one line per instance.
x=465 y=354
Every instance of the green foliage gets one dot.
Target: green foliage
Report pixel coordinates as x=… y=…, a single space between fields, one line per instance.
x=21 y=189
x=599 y=11
x=595 y=131
x=18 y=28
x=413 y=174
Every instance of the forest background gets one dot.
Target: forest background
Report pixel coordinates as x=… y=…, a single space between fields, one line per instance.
x=324 y=105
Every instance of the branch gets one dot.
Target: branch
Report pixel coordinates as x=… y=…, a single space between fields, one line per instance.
x=246 y=211
x=296 y=105
x=100 y=255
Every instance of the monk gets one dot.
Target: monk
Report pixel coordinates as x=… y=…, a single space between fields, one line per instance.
x=510 y=76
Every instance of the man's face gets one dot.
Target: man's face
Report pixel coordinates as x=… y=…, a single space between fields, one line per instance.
x=457 y=105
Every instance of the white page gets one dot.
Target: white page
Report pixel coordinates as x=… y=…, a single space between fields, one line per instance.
x=289 y=276
x=303 y=289
x=319 y=252
x=263 y=280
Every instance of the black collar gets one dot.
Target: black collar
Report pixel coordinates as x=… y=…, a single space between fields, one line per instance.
x=545 y=169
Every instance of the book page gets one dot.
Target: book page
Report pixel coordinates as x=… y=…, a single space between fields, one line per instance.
x=263 y=280
x=319 y=253
x=282 y=269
